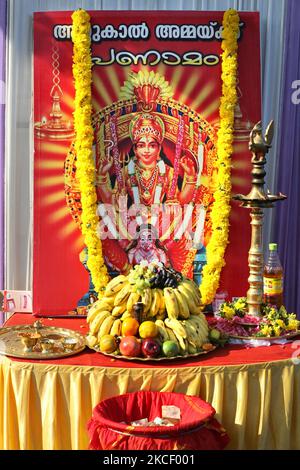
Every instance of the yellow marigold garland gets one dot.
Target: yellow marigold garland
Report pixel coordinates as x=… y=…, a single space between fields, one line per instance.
x=82 y=73
x=221 y=208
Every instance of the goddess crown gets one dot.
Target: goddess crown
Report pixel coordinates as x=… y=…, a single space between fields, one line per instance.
x=147 y=124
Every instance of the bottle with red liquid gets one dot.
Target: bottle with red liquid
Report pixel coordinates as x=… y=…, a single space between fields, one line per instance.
x=273 y=278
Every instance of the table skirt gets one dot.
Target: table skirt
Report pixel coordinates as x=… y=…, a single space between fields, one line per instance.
x=47 y=406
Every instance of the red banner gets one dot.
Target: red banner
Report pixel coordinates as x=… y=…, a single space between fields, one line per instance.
x=156 y=92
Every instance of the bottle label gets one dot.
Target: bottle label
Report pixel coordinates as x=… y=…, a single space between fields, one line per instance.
x=273 y=286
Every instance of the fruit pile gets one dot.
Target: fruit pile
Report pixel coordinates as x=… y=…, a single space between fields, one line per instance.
x=152 y=312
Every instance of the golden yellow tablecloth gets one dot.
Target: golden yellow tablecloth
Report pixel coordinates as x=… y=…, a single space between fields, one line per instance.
x=47 y=406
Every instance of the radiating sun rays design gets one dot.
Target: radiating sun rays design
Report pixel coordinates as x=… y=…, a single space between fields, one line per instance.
x=50 y=185
x=195 y=89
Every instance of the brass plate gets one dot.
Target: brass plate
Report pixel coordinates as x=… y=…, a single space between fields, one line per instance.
x=11 y=344
x=156 y=359
x=267 y=338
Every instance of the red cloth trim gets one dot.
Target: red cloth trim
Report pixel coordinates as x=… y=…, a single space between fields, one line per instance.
x=227 y=356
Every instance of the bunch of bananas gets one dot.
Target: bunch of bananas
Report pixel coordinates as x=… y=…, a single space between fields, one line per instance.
x=183 y=300
x=190 y=334
x=175 y=310
x=103 y=316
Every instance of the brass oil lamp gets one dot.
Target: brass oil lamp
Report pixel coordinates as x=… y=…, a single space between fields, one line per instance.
x=55 y=127
x=257 y=200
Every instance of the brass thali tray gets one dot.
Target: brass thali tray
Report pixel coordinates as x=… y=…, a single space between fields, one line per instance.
x=156 y=359
x=52 y=342
x=292 y=334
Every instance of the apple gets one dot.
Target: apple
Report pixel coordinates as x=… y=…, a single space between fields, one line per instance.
x=130 y=346
x=170 y=349
x=150 y=347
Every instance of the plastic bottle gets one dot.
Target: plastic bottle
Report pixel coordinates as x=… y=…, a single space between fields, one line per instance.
x=273 y=278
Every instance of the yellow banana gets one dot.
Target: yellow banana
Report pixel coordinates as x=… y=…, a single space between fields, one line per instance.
x=162 y=306
x=125 y=315
x=97 y=322
x=155 y=303
x=147 y=299
x=193 y=308
x=191 y=331
x=201 y=329
x=186 y=350
x=203 y=317
x=172 y=336
x=192 y=349
x=133 y=298
x=162 y=331
x=106 y=326
x=116 y=328
x=195 y=324
x=91 y=340
x=96 y=308
x=115 y=285
x=200 y=320
x=109 y=301
x=193 y=284
x=192 y=287
x=176 y=326
x=117 y=311
x=161 y=316
x=122 y=295
x=171 y=303
x=184 y=311
x=191 y=290
x=192 y=334
x=181 y=342
x=205 y=328
x=202 y=325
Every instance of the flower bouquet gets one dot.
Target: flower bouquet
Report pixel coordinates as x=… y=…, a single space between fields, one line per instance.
x=234 y=321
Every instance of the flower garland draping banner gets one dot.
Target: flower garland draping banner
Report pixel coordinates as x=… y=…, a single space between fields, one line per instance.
x=156 y=89
x=84 y=136
x=221 y=207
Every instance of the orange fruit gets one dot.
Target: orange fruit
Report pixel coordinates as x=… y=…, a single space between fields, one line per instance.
x=130 y=327
x=148 y=329
x=108 y=344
